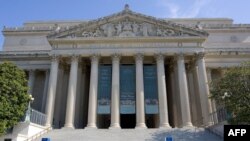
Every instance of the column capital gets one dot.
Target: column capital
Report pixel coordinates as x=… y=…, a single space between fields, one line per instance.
x=95 y=57
x=200 y=55
x=116 y=57
x=179 y=56
x=75 y=58
x=139 y=57
x=54 y=58
x=159 y=57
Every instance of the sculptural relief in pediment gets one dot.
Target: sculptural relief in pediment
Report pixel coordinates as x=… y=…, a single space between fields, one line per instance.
x=129 y=28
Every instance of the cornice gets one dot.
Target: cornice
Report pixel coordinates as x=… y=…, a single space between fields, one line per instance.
x=126 y=40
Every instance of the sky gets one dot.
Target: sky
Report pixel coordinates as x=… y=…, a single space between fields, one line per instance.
x=14 y=13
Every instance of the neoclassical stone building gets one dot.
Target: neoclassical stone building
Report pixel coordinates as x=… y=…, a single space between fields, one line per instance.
x=126 y=70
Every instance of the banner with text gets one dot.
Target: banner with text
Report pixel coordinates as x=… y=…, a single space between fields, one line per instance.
x=127 y=89
x=150 y=89
x=104 y=89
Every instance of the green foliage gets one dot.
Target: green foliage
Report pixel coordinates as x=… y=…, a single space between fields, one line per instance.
x=233 y=92
x=14 y=96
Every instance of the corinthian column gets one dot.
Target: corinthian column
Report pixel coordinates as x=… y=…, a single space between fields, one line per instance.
x=31 y=81
x=51 y=90
x=140 y=109
x=93 y=92
x=185 y=107
x=213 y=103
x=71 y=99
x=162 y=92
x=204 y=90
x=115 y=96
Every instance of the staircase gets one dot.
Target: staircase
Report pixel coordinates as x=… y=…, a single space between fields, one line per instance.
x=178 y=134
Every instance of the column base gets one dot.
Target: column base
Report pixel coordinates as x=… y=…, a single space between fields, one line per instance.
x=115 y=126
x=141 y=126
x=165 y=126
x=48 y=125
x=91 y=126
x=68 y=126
x=209 y=123
x=188 y=125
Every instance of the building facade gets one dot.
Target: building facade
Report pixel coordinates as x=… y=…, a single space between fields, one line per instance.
x=126 y=70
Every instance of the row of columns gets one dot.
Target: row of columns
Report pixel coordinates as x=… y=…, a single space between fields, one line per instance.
x=115 y=95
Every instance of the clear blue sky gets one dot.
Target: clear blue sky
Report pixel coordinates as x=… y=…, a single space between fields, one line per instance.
x=16 y=12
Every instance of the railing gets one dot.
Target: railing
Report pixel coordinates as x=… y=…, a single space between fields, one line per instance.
x=37 y=117
x=219 y=116
x=39 y=134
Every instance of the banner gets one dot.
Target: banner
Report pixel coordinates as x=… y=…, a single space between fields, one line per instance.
x=127 y=89
x=150 y=89
x=104 y=89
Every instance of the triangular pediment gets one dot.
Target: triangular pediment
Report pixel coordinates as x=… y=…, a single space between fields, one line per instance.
x=127 y=24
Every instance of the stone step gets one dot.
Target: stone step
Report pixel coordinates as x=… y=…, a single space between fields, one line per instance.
x=178 y=134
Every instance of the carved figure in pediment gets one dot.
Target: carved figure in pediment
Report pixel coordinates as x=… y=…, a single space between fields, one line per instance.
x=108 y=29
x=118 y=28
x=127 y=26
x=180 y=33
x=168 y=32
x=144 y=29
x=97 y=33
x=135 y=27
x=158 y=32
x=85 y=34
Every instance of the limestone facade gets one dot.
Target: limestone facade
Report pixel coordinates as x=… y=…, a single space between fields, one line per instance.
x=62 y=59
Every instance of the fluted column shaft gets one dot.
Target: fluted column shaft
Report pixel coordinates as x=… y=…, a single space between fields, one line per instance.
x=185 y=106
x=52 y=91
x=140 y=109
x=115 y=96
x=31 y=81
x=162 y=92
x=71 y=99
x=213 y=104
x=45 y=90
x=204 y=90
x=192 y=95
x=93 y=92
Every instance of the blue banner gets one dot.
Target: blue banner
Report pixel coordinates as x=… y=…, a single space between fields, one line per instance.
x=127 y=89
x=104 y=89
x=150 y=89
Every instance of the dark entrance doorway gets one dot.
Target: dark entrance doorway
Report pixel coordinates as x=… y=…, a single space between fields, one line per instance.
x=128 y=121
x=103 y=121
x=152 y=120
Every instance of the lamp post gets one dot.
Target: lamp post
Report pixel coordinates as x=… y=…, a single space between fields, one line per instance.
x=28 y=112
